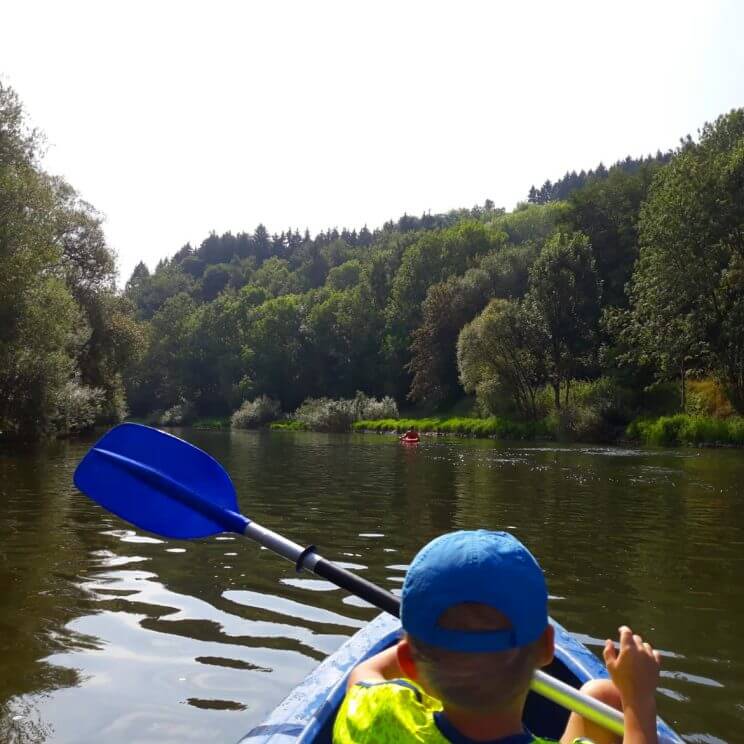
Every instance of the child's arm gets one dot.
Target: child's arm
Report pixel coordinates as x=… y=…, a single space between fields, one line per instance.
x=379 y=668
x=635 y=672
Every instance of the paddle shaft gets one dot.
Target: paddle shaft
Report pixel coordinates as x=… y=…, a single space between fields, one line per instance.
x=543 y=684
x=307 y=558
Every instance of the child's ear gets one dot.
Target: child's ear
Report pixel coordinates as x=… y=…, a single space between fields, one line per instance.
x=547 y=646
x=405 y=659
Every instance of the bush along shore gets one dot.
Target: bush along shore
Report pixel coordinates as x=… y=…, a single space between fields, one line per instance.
x=684 y=429
x=597 y=412
x=664 y=431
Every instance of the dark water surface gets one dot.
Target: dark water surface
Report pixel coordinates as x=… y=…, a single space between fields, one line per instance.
x=108 y=634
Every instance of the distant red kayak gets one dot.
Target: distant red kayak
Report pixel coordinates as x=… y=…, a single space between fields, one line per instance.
x=410 y=440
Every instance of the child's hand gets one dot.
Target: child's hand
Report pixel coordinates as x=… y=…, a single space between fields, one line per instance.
x=635 y=670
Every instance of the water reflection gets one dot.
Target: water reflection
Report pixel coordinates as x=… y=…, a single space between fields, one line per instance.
x=108 y=632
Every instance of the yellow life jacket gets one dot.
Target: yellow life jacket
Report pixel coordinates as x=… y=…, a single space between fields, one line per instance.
x=399 y=712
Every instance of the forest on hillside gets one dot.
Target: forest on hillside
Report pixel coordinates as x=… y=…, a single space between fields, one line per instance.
x=615 y=286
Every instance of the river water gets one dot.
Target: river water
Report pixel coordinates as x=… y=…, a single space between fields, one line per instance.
x=109 y=634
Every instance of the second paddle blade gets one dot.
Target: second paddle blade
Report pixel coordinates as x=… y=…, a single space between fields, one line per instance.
x=157 y=482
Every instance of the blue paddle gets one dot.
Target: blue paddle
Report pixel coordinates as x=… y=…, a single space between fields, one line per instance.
x=167 y=486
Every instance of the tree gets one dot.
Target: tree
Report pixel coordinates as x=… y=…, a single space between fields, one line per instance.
x=432 y=258
x=215 y=279
x=167 y=361
x=606 y=210
x=500 y=357
x=344 y=331
x=56 y=285
x=345 y=276
x=447 y=308
x=274 y=352
x=275 y=277
x=691 y=267
x=149 y=293
x=137 y=281
x=563 y=298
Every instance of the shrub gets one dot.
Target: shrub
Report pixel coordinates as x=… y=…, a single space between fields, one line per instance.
x=373 y=409
x=594 y=410
x=76 y=407
x=179 y=415
x=660 y=399
x=706 y=397
x=325 y=414
x=253 y=413
x=685 y=429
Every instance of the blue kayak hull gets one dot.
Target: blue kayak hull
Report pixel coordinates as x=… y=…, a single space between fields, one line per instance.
x=306 y=715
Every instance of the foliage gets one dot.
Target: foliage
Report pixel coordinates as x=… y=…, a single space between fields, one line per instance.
x=446 y=309
x=687 y=429
x=593 y=412
x=688 y=289
x=76 y=407
x=563 y=303
x=179 y=415
x=289 y=425
x=706 y=397
x=566 y=187
x=211 y=423
x=345 y=276
x=432 y=258
x=65 y=336
x=494 y=427
x=501 y=359
x=325 y=414
x=402 y=310
x=253 y=413
x=372 y=409
x=606 y=211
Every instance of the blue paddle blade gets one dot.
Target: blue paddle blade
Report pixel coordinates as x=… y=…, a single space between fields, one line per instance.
x=160 y=483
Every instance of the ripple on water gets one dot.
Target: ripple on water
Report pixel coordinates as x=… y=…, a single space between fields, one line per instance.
x=196 y=651
x=314 y=585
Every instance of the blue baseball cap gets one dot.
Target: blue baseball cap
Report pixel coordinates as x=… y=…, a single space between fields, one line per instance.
x=491 y=568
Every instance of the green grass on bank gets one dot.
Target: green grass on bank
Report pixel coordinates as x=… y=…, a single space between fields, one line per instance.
x=686 y=429
x=212 y=423
x=286 y=426
x=474 y=427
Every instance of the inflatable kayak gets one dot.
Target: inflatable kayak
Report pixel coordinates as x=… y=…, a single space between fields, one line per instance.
x=410 y=440
x=307 y=714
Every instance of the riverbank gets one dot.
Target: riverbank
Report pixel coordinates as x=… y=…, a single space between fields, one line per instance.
x=683 y=429
x=678 y=430
x=492 y=427
x=663 y=431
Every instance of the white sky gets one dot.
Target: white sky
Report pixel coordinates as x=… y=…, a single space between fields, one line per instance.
x=177 y=118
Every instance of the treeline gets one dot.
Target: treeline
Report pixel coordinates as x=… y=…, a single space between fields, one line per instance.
x=572 y=181
x=602 y=299
x=630 y=279
x=66 y=337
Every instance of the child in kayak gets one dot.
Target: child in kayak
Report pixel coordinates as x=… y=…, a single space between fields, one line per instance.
x=474 y=612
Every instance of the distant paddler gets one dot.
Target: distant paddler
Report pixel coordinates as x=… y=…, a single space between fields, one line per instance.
x=410 y=437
